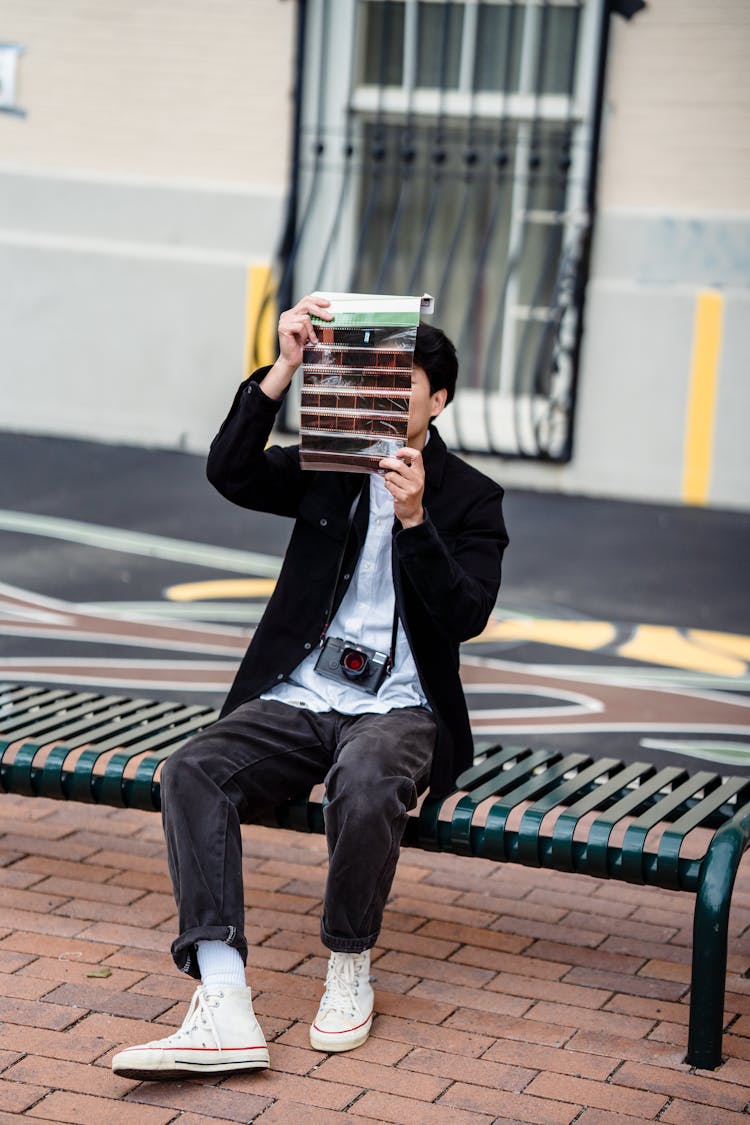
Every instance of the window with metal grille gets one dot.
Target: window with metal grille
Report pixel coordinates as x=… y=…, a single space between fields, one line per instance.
x=448 y=146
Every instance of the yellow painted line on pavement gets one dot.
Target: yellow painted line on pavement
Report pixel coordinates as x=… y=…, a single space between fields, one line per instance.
x=260 y=318
x=663 y=644
x=587 y=635
x=699 y=650
x=701 y=407
x=732 y=643
x=221 y=588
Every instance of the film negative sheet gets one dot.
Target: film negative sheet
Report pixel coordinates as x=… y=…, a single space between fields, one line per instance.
x=356 y=382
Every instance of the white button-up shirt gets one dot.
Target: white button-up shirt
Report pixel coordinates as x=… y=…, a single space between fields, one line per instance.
x=364 y=617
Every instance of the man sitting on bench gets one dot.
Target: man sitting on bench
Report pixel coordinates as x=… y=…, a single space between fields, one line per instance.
x=405 y=562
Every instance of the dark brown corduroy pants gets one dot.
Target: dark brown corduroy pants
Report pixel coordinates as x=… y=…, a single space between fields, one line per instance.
x=263 y=753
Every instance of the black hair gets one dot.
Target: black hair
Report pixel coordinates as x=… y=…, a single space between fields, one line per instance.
x=436 y=355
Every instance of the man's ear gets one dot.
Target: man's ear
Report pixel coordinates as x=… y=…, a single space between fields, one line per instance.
x=438 y=401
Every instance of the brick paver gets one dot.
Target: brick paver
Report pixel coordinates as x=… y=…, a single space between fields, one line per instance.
x=602 y=1095
x=81 y=1109
x=197 y=1097
x=504 y=995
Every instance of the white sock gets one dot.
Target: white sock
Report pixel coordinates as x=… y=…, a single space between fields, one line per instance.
x=220 y=965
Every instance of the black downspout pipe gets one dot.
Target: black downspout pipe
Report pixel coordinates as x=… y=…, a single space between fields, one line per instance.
x=585 y=264
x=286 y=284
x=290 y=226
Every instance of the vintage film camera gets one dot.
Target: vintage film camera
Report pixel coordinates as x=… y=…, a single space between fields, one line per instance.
x=356 y=665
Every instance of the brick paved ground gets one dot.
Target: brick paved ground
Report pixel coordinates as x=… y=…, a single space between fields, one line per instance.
x=504 y=994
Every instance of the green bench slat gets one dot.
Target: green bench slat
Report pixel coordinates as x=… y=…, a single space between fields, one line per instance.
x=14 y=771
x=14 y=699
x=632 y=802
x=164 y=742
x=484 y=771
x=83 y=785
x=669 y=846
x=531 y=822
x=45 y=718
x=151 y=717
x=23 y=777
x=44 y=780
x=52 y=776
x=500 y=781
x=142 y=791
x=12 y=694
x=634 y=841
x=493 y=844
x=563 y=830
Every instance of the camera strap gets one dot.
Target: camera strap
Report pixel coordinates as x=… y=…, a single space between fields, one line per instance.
x=340 y=567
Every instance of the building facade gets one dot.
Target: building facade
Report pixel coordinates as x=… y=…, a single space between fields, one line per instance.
x=571 y=186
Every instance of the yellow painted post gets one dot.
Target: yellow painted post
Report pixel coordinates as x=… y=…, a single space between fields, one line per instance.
x=701 y=405
x=260 y=318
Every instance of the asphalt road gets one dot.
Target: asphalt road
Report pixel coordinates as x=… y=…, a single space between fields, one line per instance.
x=605 y=559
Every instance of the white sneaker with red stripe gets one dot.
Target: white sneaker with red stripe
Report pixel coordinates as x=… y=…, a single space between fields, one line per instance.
x=345 y=1015
x=219 y=1033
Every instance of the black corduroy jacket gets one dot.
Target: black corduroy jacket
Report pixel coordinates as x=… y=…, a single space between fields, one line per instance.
x=446 y=571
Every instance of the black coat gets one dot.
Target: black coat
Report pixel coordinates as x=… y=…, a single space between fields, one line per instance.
x=446 y=571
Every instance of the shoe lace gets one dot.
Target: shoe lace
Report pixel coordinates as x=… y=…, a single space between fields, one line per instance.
x=199 y=1014
x=342 y=984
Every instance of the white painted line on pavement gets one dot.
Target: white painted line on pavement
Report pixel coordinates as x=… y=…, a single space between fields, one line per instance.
x=141 y=543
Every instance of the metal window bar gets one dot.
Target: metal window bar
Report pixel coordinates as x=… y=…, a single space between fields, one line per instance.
x=510 y=403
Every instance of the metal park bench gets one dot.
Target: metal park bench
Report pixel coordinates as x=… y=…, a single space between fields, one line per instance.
x=539 y=808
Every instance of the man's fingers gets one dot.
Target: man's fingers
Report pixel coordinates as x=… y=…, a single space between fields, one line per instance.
x=297 y=325
x=402 y=482
x=294 y=327
x=391 y=464
x=295 y=317
x=297 y=322
x=400 y=488
x=398 y=496
x=411 y=471
x=314 y=306
x=409 y=456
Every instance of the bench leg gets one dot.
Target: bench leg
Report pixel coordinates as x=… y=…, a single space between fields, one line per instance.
x=710 y=932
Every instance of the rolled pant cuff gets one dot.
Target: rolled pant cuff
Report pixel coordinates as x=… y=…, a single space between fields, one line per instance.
x=347 y=945
x=185 y=952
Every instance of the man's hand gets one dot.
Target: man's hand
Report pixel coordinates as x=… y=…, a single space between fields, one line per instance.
x=404 y=479
x=295 y=331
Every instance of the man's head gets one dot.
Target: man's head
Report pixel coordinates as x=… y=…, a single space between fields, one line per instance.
x=436 y=355
x=433 y=381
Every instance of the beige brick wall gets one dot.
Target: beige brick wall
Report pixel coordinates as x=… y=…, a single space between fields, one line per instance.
x=170 y=89
x=201 y=89
x=677 y=126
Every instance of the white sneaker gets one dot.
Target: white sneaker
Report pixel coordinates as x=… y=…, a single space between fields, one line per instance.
x=345 y=1015
x=220 y=1032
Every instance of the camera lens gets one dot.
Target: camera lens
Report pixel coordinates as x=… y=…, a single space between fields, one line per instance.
x=354 y=663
